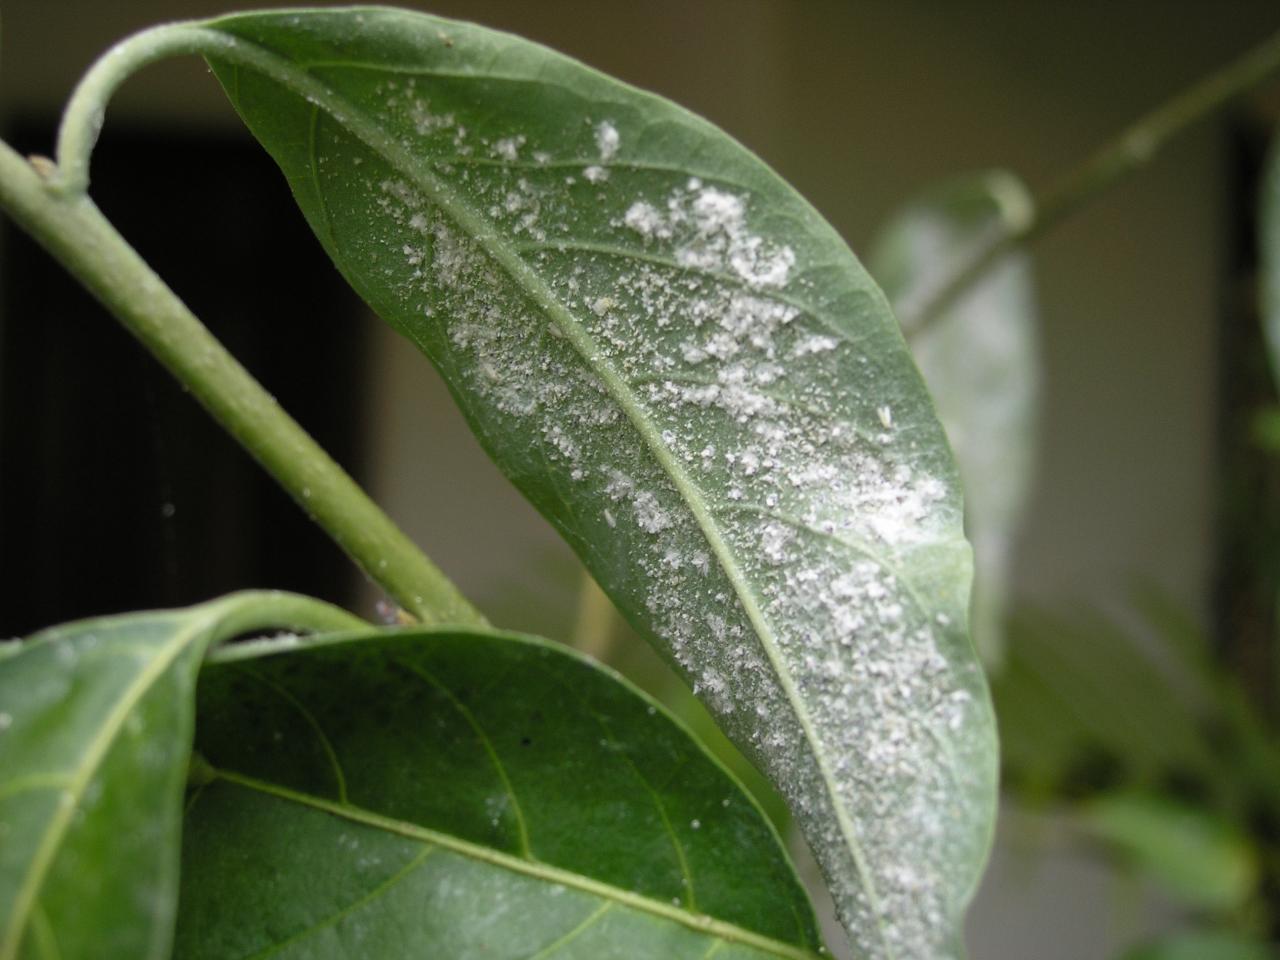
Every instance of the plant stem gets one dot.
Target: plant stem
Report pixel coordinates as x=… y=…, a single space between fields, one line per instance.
x=82 y=119
x=68 y=224
x=1135 y=147
x=253 y=610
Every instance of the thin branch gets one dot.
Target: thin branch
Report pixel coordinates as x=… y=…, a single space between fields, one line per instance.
x=1133 y=149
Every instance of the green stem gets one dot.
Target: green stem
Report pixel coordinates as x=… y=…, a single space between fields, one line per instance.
x=68 y=224
x=1133 y=149
x=82 y=119
x=255 y=610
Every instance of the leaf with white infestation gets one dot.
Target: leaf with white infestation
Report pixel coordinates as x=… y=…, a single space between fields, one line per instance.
x=686 y=370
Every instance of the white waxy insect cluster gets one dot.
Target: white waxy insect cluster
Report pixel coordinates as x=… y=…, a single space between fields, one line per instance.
x=743 y=474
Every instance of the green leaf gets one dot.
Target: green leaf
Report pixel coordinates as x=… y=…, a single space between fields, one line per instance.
x=686 y=370
x=1204 y=946
x=980 y=358
x=1193 y=853
x=95 y=731
x=467 y=794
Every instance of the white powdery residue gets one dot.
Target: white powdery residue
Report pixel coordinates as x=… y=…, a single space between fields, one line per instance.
x=563 y=443
x=890 y=714
x=607 y=140
x=744 y=322
x=645 y=219
x=754 y=320
x=508 y=148
x=425 y=122
x=720 y=240
x=533 y=380
x=814 y=343
x=710 y=233
x=716 y=211
x=521 y=206
x=452 y=257
x=742 y=391
x=748 y=461
x=761 y=269
x=618 y=485
x=650 y=515
x=763 y=374
x=899 y=511
x=595 y=174
x=774 y=540
x=738 y=398
x=804 y=493
x=692 y=353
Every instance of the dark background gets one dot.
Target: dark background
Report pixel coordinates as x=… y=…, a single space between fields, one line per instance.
x=118 y=492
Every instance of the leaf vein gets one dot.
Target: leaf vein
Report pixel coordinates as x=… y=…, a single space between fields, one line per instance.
x=529 y=868
x=681 y=858
x=522 y=828
x=573 y=934
x=326 y=744
x=338 y=915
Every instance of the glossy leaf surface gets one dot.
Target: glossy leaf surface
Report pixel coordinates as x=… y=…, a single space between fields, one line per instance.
x=479 y=795
x=980 y=358
x=95 y=730
x=686 y=370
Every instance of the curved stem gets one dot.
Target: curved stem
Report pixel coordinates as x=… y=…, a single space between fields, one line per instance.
x=1135 y=147
x=83 y=116
x=252 y=610
x=70 y=227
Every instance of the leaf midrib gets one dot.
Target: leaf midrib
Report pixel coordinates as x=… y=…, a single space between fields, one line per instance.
x=296 y=78
x=547 y=873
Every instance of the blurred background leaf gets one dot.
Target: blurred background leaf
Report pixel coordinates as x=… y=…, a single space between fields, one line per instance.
x=1204 y=946
x=1199 y=857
